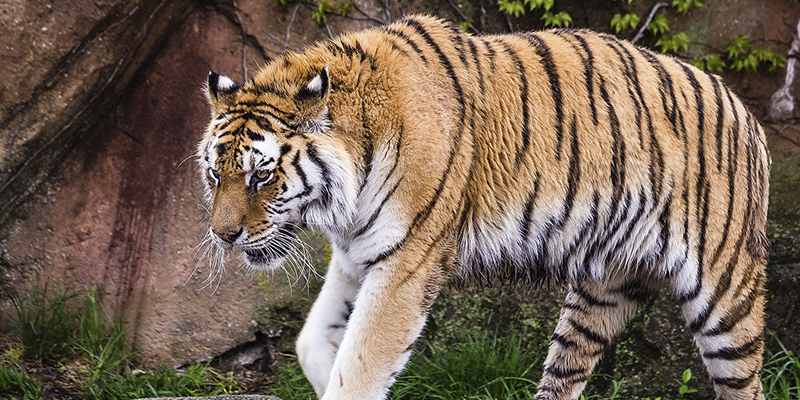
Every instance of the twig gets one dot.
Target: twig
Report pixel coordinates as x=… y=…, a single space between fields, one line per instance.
x=387 y=10
x=648 y=21
x=328 y=28
x=368 y=17
x=782 y=103
x=289 y=27
x=464 y=16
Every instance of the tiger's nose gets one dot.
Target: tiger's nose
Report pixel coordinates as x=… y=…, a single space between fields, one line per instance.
x=229 y=236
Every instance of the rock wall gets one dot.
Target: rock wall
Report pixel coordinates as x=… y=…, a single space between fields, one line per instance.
x=100 y=111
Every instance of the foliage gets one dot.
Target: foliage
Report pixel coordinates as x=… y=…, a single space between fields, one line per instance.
x=684 y=387
x=324 y=8
x=290 y=383
x=560 y=20
x=674 y=43
x=781 y=373
x=713 y=63
x=68 y=332
x=621 y=22
x=479 y=366
x=658 y=26
x=15 y=381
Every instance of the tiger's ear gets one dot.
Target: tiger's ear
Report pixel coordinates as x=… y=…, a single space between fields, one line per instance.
x=312 y=99
x=218 y=90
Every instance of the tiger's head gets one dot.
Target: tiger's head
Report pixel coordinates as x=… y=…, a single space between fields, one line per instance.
x=271 y=164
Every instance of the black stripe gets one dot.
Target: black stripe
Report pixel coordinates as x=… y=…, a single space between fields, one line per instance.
x=491 y=54
x=325 y=188
x=738 y=312
x=736 y=383
x=631 y=224
x=701 y=186
x=720 y=118
x=631 y=81
x=735 y=353
x=634 y=291
x=563 y=341
x=377 y=211
x=666 y=82
x=574 y=175
x=523 y=95
x=565 y=373
x=617 y=171
x=474 y=51
x=589 y=334
x=525 y=224
x=588 y=68
x=423 y=215
x=590 y=299
x=405 y=38
x=722 y=286
x=543 y=51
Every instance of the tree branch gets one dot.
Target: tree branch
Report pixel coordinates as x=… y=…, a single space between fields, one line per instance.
x=289 y=27
x=461 y=13
x=648 y=21
x=782 y=102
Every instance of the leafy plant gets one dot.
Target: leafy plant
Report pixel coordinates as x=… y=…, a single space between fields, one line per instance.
x=466 y=24
x=561 y=19
x=344 y=7
x=621 y=22
x=515 y=8
x=15 y=381
x=684 y=387
x=674 y=43
x=659 y=25
x=324 y=8
x=713 y=63
x=683 y=6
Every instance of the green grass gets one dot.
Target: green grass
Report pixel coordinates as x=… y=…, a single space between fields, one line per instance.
x=482 y=366
x=16 y=383
x=67 y=336
x=479 y=366
x=781 y=374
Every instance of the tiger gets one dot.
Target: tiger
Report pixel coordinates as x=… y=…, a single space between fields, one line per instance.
x=430 y=156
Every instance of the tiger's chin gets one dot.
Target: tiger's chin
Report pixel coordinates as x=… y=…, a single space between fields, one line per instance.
x=261 y=260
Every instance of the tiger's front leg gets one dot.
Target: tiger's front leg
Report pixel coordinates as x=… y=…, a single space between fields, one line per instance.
x=388 y=316
x=324 y=328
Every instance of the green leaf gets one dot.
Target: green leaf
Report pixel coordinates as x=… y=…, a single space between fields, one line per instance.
x=561 y=20
x=659 y=25
x=739 y=45
x=465 y=25
x=535 y=4
x=515 y=8
x=622 y=22
x=683 y=6
x=687 y=375
x=344 y=7
x=674 y=43
x=324 y=8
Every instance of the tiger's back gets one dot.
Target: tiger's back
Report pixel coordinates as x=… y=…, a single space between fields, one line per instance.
x=564 y=155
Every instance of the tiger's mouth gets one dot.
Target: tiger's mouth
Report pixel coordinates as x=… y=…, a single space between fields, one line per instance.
x=271 y=253
x=265 y=257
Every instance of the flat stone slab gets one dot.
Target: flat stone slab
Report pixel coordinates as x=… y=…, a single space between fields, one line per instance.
x=225 y=397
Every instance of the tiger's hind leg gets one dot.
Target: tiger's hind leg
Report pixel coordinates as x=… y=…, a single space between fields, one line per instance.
x=592 y=315
x=728 y=327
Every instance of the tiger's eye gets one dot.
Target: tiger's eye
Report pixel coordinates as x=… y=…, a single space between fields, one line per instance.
x=262 y=174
